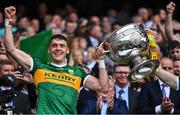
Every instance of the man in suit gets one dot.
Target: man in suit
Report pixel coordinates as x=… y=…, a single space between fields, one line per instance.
x=157 y=97
x=94 y=105
x=125 y=100
x=126 y=103
x=94 y=35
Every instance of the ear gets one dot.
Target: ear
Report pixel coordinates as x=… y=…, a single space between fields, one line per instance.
x=48 y=50
x=67 y=52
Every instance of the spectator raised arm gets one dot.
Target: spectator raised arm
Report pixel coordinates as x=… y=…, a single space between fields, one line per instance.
x=168 y=22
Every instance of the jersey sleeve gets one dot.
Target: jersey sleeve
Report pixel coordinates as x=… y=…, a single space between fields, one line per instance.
x=36 y=64
x=83 y=75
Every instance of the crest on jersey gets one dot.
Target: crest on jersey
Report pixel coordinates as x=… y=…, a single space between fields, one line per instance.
x=71 y=71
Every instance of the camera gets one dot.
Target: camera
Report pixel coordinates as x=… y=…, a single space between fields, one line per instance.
x=6 y=92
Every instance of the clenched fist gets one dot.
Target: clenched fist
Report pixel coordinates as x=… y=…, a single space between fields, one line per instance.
x=170 y=7
x=101 y=50
x=10 y=12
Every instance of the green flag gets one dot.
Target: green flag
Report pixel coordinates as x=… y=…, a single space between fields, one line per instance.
x=37 y=45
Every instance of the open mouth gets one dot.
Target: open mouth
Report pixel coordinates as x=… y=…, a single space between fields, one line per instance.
x=59 y=53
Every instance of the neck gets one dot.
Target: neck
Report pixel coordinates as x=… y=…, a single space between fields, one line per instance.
x=122 y=85
x=59 y=63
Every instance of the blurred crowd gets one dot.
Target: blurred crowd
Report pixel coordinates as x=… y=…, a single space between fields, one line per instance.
x=85 y=34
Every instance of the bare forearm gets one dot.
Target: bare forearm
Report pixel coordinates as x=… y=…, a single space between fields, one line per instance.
x=103 y=79
x=169 y=28
x=167 y=78
x=9 y=43
x=21 y=57
x=162 y=31
x=100 y=84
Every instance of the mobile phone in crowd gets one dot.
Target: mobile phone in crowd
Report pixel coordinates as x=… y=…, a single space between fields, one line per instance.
x=20 y=69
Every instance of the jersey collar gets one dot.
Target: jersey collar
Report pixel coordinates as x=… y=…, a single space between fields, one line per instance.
x=59 y=65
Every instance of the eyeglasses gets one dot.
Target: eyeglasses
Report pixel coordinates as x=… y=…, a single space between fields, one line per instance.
x=167 y=68
x=122 y=73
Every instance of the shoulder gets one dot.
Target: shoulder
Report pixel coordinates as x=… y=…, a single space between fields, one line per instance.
x=149 y=84
x=37 y=61
x=133 y=91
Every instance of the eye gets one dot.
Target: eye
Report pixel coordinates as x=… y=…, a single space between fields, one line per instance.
x=62 y=45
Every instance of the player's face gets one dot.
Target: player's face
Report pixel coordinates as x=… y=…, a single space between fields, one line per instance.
x=58 y=50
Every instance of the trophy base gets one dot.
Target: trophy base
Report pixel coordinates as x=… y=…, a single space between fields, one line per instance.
x=143 y=69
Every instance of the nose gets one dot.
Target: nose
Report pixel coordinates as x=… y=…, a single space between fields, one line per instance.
x=58 y=47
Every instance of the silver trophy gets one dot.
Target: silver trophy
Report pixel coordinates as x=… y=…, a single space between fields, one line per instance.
x=127 y=46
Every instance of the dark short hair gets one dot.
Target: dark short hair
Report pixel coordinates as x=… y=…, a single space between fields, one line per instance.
x=60 y=37
x=117 y=65
x=5 y=62
x=173 y=44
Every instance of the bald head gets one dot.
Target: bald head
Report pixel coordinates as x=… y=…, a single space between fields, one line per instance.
x=167 y=64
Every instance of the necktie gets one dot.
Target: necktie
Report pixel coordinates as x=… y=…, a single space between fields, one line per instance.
x=120 y=94
x=122 y=103
x=163 y=90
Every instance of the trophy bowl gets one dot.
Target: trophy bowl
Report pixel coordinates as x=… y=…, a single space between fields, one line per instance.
x=127 y=46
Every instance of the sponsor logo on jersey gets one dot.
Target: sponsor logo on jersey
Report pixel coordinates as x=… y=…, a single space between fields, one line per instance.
x=57 y=77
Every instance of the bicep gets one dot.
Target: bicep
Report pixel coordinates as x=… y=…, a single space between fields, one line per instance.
x=92 y=83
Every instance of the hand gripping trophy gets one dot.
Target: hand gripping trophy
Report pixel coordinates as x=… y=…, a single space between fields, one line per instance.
x=128 y=45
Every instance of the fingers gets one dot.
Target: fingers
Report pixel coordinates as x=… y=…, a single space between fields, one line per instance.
x=149 y=31
x=18 y=74
x=101 y=51
x=110 y=103
x=10 y=12
x=172 y=4
x=166 y=105
x=99 y=102
x=170 y=7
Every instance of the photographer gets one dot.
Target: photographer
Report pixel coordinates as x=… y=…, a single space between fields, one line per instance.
x=6 y=93
x=9 y=86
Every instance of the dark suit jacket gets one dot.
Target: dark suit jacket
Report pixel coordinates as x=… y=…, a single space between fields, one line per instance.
x=89 y=44
x=151 y=96
x=21 y=103
x=89 y=106
x=84 y=96
x=133 y=97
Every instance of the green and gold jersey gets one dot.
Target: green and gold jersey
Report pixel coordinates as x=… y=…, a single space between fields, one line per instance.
x=58 y=87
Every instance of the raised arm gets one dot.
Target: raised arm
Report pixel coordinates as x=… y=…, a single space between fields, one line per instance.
x=168 y=22
x=168 y=78
x=100 y=84
x=21 y=57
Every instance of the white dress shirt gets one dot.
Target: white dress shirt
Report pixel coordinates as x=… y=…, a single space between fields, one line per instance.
x=125 y=95
x=167 y=90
